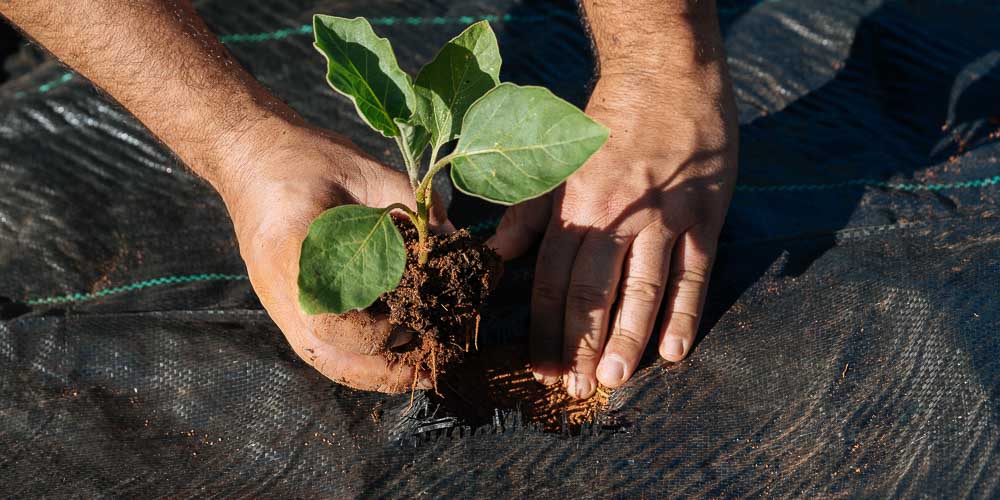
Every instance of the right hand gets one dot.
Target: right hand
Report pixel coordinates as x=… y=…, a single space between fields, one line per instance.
x=272 y=199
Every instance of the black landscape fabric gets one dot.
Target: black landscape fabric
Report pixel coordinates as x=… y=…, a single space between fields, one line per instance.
x=850 y=345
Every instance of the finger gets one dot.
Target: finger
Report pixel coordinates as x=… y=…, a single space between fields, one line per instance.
x=521 y=226
x=688 y=284
x=357 y=332
x=369 y=373
x=592 y=287
x=642 y=289
x=548 y=301
x=340 y=365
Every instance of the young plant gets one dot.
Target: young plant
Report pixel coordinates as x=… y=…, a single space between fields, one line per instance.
x=514 y=143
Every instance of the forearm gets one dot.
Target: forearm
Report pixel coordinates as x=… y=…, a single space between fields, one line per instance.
x=160 y=61
x=667 y=54
x=654 y=38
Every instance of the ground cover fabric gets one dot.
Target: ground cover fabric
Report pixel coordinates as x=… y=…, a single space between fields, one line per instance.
x=850 y=344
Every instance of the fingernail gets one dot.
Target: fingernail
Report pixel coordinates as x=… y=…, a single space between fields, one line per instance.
x=545 y=379
x=611 y=369
x=672 y=347
x=579 y=386
x=425 y=384
x=400 y=338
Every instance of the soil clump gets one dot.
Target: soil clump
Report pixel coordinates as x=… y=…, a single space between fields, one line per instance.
x=441 y=300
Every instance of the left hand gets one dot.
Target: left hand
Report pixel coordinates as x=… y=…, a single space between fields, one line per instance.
x=637 y=224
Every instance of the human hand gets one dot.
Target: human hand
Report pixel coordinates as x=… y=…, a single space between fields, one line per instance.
x=637 y=224
x=281 y=190
x=274 y=173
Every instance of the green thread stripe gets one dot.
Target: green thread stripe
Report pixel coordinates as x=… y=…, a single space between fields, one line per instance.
x=488 y=225
x=47 y=86
x=976 y=183
x=139 y=285
x=306 y=29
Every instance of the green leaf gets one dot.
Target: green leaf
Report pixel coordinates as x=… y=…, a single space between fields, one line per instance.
x=351 y=255
x=518 y=143
x=466 y=68
x=362 y=66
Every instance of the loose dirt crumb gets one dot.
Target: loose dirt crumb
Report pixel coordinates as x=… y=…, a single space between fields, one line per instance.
x=499 y=378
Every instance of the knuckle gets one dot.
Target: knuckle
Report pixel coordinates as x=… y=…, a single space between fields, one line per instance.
x=587 y=351
x=642 y=289
x=690 y=276
x=587 y=296
x=621 y=236
x=616 y=203
x=574 y=199
x=684 y=293
x=626 y=340
x=689 y=317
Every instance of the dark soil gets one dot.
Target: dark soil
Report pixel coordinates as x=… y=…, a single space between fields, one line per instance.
x=441 y=300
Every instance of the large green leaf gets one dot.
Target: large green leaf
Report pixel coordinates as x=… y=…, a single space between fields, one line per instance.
x=351 y=255
x=362 y=66
x=518 y=143
x=465 y=69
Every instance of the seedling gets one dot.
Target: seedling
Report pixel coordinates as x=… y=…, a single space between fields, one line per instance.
x=514 y=143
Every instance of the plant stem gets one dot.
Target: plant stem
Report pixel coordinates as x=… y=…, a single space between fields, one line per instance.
x=412 y=167
x=410 y=214
x=419 y=220
x=423 y=209
x=434 y=154
x=426 y=185
x=424 y=196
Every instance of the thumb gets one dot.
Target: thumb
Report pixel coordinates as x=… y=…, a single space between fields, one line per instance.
x=521 y=226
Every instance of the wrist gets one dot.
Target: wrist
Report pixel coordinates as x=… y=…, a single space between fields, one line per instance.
x=704 y=89
x=679 y=44
x=240 y=141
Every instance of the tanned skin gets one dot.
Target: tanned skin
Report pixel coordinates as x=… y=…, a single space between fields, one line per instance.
x=638 y=223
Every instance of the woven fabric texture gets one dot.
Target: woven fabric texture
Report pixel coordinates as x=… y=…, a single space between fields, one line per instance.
x=850 y=344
